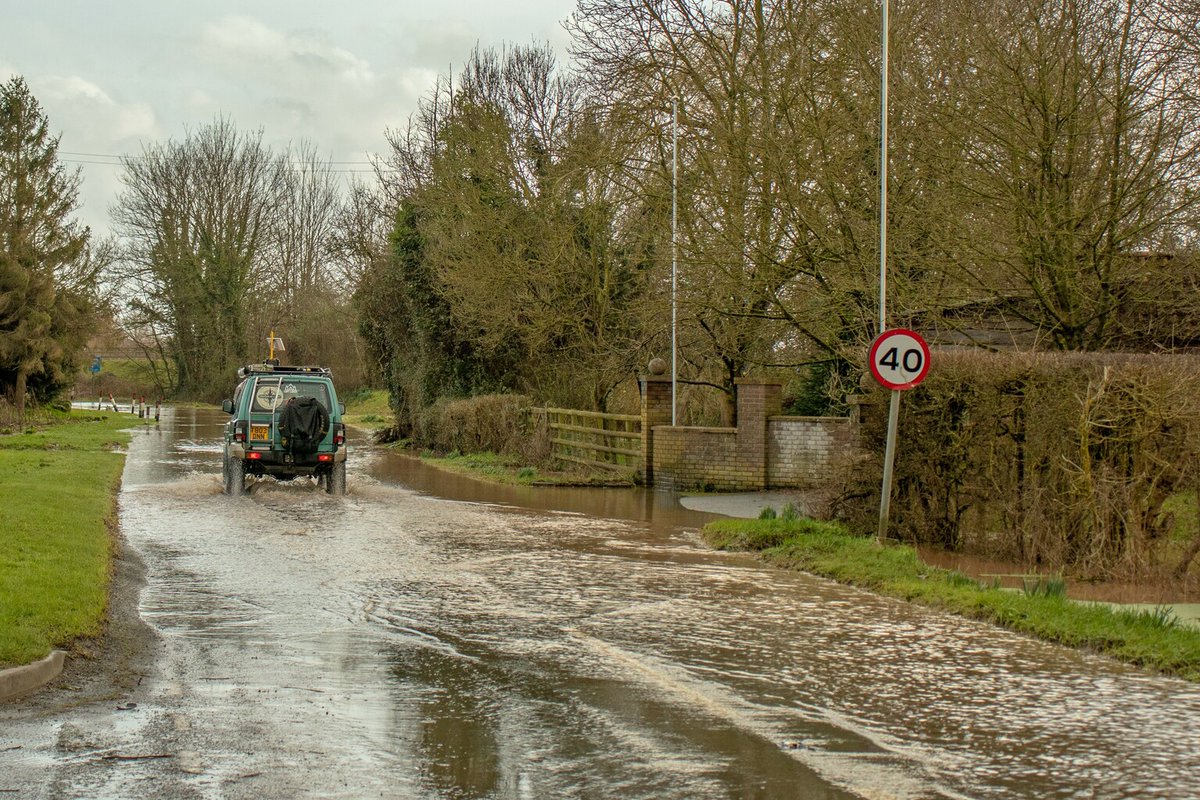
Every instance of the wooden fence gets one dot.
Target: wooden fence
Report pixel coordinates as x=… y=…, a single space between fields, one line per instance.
x=612 y=441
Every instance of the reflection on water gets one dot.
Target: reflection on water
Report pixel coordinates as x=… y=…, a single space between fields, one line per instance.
x=661 y=507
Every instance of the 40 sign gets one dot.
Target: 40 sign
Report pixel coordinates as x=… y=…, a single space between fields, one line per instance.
x=899 y=359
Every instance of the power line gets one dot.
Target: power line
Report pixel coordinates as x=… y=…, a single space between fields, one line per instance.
x=89 y=155
x=140 y=157
x=119 y=159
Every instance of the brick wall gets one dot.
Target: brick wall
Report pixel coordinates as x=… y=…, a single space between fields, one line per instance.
x=765 y=450
x=801 y=451
x=705 y=458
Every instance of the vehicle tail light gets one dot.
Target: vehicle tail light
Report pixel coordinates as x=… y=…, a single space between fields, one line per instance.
x=324 y=457
x=339 y=435
x=239 y=431
x=254 y=455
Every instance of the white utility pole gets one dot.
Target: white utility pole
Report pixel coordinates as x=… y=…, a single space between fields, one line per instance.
x=889 y=454
x=883 y=174
x=674 y=246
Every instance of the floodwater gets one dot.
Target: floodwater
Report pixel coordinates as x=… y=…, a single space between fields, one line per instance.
x=1166 y=591
x=428 y=636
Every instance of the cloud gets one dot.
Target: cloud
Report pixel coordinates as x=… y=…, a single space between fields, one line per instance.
x=113 y=80
x=241 y=40
x=93 y=127
x=82 y=105
x=297 y=84
x=200 y=101
x=73 y=87
x=450 y=41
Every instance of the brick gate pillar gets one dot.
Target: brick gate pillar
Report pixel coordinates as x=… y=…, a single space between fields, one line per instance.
x=757 y=401
x=656 y=410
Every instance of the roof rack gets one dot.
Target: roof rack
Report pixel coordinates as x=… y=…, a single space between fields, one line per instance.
x=267 y=368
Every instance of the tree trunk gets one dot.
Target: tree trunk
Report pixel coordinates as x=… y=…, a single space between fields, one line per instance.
x=19 y=394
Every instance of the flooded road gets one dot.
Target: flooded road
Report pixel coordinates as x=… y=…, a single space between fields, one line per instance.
x=427 y=636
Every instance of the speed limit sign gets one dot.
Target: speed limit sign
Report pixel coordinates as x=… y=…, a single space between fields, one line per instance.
x=899 y=358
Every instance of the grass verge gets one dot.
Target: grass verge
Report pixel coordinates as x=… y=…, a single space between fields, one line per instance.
x=1147 y=639
x=512 y=470
x=368 y=409
x=124 y=378
x=59 y=483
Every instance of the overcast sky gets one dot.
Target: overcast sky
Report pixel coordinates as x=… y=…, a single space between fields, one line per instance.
x=114 y=76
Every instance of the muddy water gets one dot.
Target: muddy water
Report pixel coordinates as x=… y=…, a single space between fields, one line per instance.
x=1163 y=591
x=429 y=636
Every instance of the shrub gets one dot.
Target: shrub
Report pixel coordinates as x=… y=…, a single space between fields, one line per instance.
x=1063 y=459
x=488 y=423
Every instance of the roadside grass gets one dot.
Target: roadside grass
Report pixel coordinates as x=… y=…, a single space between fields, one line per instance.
x=123 y=377
x=368 y=409
x=133 y=370
x=34 y=418
x=60 y=485
x=1154 y=639
x=513 y=470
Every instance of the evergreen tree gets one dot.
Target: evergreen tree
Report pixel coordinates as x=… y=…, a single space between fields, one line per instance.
x=37 y=241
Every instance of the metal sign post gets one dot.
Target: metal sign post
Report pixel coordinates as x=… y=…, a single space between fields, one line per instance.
x=889 y=458
x=899 y=360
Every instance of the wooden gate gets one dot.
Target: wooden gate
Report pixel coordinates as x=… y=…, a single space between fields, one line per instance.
x=611 y=441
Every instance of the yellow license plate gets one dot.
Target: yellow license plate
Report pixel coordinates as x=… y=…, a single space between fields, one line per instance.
x=260 y=433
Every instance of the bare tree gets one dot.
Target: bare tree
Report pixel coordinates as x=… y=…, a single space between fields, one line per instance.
x=1082 y=159
x=304 y=294
x=306 y=219
x=197 y=219
x=779 y=165
x=360 y=231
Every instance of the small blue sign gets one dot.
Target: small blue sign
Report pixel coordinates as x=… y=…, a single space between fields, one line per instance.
x=95 y=365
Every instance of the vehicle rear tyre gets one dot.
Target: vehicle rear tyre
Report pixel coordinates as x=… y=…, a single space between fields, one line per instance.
x=335 y=482
x=235 y=477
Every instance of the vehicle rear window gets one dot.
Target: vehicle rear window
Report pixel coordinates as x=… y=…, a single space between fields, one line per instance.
x=270 y=393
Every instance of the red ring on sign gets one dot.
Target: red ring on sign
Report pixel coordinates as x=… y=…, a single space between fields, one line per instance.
x=881 y=340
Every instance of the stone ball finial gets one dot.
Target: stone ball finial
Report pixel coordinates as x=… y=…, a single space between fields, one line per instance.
x=657 y=366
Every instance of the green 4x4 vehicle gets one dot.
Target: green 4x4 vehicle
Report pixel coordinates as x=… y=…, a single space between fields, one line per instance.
x=284 y=422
